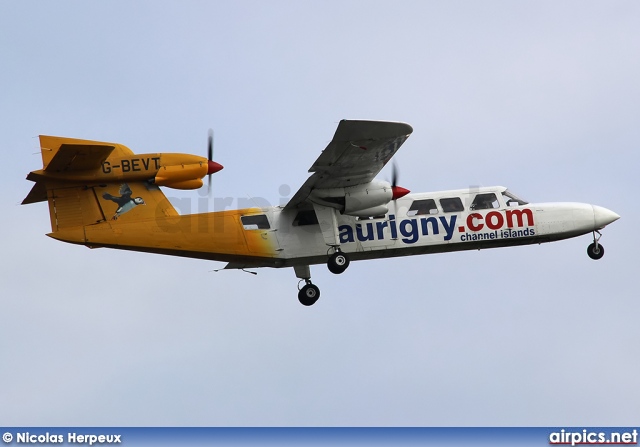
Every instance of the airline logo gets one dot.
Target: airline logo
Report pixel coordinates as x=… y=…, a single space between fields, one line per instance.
x=495 y=221
x=492 y=225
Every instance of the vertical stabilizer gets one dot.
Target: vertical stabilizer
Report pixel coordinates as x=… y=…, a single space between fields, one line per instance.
x=78 y=198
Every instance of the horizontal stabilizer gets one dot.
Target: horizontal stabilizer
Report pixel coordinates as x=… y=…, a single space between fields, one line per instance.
x=37 y=194
x=79 y=157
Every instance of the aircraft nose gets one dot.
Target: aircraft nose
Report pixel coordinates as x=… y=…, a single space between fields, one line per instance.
x=603 y=217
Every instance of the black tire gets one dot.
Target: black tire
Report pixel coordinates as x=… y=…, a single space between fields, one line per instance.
x=595 y=253
x=338 y=262
x=308 y=295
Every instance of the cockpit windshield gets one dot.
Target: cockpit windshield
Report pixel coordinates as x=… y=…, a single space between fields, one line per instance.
x=512 y=199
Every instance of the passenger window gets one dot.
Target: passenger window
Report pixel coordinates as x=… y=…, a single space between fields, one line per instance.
x=485 y=202
x=421 y=207
x=256 y=222
x=451 y=205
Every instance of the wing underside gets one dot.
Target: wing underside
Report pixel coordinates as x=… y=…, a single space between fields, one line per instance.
x=356 y=154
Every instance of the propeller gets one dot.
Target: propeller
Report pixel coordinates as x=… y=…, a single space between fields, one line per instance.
x=213 y=167
x=397 y=191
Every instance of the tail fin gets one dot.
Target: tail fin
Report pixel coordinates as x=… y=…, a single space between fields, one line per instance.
x=73 y=206
x=79 y=206
x=62 y=154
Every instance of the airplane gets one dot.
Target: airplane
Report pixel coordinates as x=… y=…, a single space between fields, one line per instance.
x=103 y=195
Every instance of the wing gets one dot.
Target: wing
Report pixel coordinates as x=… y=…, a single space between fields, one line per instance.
x=108 y=196
x=125 y=191
x=356 y=154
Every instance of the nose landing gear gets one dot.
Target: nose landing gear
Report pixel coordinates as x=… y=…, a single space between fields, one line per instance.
x=309 y=294
x=595 y=250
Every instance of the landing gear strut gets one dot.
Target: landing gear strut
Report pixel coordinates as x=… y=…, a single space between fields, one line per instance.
x=595 y=250
x=328 y=221
x=338 y=262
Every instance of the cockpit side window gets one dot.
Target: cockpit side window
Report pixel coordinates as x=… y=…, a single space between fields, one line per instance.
x=451 y=205
x=255 y=222
x=421 y=207
x=512 y=199
x=485 y=201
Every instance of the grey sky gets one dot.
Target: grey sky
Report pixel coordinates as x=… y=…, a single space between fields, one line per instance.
x=539 y=96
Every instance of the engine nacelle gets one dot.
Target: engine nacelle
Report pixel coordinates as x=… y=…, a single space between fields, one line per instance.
x=380 y=210
x=369 y=199
x=368 y=196
x=184 y=176
x=187 y=184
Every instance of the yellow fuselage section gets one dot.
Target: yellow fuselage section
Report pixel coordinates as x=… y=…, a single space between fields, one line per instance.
x=216 y=236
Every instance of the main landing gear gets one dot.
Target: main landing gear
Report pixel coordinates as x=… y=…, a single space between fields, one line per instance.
x=338 y=262
x=595 y=250
x=309 y=293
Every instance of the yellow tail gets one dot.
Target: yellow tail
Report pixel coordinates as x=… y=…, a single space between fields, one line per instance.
x=74 y=204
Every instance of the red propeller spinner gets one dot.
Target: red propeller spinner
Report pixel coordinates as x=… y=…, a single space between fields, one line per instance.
x=214 y=167
x=399 y=191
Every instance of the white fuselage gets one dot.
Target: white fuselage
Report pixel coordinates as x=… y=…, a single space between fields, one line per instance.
x=433 y=223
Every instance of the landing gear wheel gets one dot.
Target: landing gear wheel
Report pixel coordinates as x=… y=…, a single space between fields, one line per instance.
x=595 y=251
x=338 y=262
x=309 y=294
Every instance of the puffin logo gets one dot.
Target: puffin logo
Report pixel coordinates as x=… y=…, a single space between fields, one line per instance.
x=125 y=202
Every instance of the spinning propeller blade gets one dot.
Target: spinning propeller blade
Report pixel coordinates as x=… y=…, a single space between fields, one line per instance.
x=210 y=158
x=213 y=167
x=398 y=191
